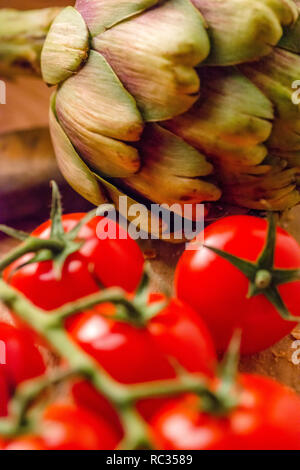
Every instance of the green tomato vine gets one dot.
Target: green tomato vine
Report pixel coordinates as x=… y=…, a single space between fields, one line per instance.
x=50 y=325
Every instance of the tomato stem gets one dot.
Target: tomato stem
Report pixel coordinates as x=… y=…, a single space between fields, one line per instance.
x=24 y=397
x=228 y=370
x=263 y=279
x=113 y=295
x=136 y=311
x=57 y=230
x=11 y=232
x=123 y=397
x=31 y=245
x=137 y=435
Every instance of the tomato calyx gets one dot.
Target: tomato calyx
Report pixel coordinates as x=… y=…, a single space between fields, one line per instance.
x=58 y=247
x=139 y=311
x=263 y=277
x=225 y=397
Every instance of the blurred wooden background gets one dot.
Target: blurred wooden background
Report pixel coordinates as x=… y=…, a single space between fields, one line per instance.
x=24 y=201
x=26 y=4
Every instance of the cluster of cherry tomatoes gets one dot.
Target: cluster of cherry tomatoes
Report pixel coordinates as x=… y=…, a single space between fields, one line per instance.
x=210 y=303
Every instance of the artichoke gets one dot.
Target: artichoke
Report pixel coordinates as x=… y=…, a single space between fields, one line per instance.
x=177 y=101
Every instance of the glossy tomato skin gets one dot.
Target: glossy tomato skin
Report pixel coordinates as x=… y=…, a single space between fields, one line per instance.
x=67 y=427
x=218 y=291
x=92 y=265
x=181 y=334
x=133 y=354
x=30 y=442
x=3 y=444
x=4 y=395
x=23 y=361
x=20 y=361
x=267 y=418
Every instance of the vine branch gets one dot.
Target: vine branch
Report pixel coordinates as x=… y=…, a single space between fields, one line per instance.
x=123 y=397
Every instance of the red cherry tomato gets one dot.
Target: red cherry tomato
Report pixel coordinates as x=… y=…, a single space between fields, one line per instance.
x=23 y=361
x=267 y=418
x=66 y=427
x=93 y=264
x=2 y=444
x=217 y=290
x=26 y=443
x=133 y=354
x=4 y=395
x=20 y=360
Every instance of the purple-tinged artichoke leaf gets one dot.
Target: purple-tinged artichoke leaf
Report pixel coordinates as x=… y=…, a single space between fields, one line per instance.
x=172 y=171
x=244 y=30
x=276 y=76
x=100 y=117
x=75 y=171
x=101 y=15
x=155 y=54
x=230 y=123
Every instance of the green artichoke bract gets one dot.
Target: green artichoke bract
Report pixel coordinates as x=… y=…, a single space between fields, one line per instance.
x=176 y=101
x=245 y=30
x=233 y=123
x=291 y=38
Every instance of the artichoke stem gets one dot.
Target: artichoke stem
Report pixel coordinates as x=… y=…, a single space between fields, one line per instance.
x=22 y=36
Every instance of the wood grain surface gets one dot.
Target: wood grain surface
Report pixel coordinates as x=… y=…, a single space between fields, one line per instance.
x=26 y=4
